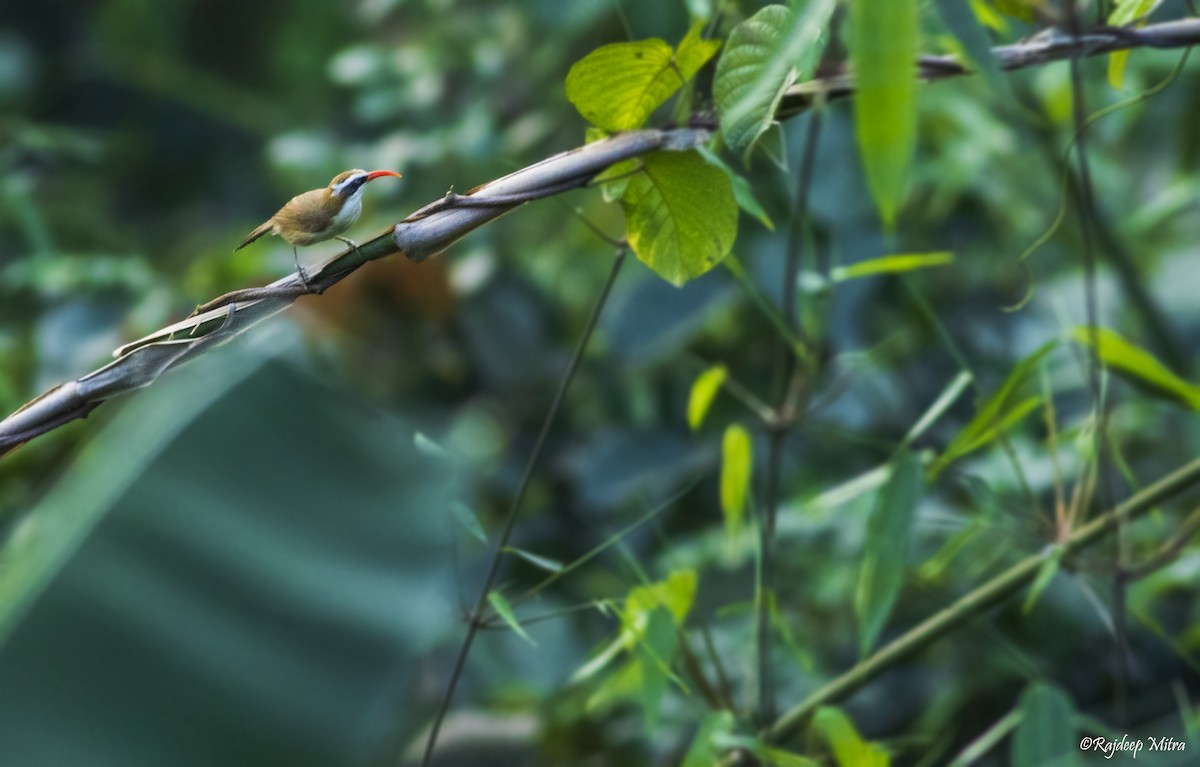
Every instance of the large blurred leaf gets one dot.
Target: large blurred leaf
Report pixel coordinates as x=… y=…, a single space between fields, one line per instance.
x=766 y=53
x=617 y=86
x=680 y=215
x=883 y=52
x=260 y=590
x=888 y=533
x=1137 y=364
x=50 y=534
x=1046 y=736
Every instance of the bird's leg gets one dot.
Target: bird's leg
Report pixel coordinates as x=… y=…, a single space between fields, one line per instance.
x=300 y=269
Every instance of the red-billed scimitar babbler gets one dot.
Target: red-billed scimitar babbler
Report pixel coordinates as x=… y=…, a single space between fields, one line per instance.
x=320 y=214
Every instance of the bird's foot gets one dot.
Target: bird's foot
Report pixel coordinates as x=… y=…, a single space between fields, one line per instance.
x=353 y=245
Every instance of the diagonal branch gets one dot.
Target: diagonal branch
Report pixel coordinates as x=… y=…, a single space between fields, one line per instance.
x=1045 y=47
x=422 y=235
x=986 y=596
x=440 y=224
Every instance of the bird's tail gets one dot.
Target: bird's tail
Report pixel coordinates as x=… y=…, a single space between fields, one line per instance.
x=259 y=231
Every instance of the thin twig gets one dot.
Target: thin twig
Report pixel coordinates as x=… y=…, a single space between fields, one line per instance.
x=1168 y=552
x=793 y=377
x=489 y=580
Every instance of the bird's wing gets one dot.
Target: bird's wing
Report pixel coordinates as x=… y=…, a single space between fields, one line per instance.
x=304 y=213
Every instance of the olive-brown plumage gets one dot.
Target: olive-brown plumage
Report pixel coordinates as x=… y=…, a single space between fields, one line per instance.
x=319 y=214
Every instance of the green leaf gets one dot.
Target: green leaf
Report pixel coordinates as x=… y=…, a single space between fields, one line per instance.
x=895 y=264
x=1017 y=9
x=883 y=53
x=694 y=52
x=777 y=757
x=505 y=611
x=968 y=28
x=618 y=86
x=1135 y=363
x=430 y=447
x=704 y=391
x=1126 y=12
x=742 y=191
x=848 y=747
x=462 y=512
x=680 y=215
x=540 y=562
x=765 y=54
x=947 y=398
x=888 y=532
x=704 y=752
x=1046 y=736
x=1045 y=574
x=654 y=655
x=988 y=16
x=737 y=465
x=676 y=594
x=997 y=415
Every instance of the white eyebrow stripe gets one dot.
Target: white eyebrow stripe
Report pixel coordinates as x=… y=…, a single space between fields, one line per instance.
x=356 y=177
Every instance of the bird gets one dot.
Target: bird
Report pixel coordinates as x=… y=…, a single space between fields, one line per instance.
x=319 y=214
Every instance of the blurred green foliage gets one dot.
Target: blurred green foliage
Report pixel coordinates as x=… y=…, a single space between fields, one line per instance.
x=266 y=573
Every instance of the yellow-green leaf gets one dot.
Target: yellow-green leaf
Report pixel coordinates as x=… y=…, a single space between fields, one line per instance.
x=737 y=465
x=883 y=52
x=849 y=749
x=988 y=16
x=618 y=86
x=505 y=611
x=904 y=262
x=1018 y=9
x=680 y=215
x=1123 y=13
x=1135 y=363
x=694 y=52
x=675 y=594
x=888 y=531
x=704 y=391
x=1129 y=11
x=765 y=54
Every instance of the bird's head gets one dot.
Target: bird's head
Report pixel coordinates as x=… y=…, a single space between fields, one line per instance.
x=347 y=184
